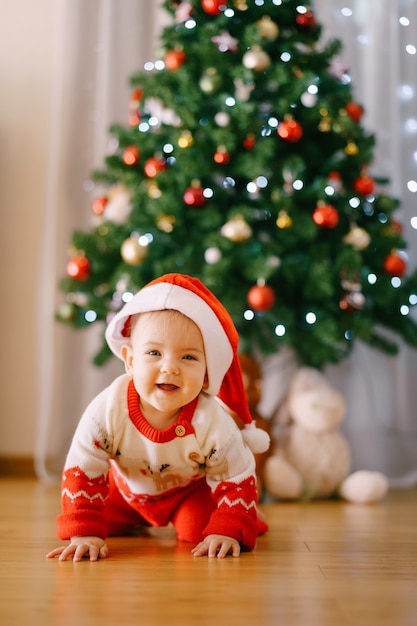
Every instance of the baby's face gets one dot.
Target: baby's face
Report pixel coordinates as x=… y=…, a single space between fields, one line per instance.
x=167 y=361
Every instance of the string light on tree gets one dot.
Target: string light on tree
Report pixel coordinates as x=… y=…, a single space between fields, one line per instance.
x=244 y=156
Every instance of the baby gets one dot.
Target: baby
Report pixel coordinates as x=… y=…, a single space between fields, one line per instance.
x=159 y=445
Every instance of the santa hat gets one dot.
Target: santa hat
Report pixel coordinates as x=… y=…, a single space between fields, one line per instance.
x=190 y=297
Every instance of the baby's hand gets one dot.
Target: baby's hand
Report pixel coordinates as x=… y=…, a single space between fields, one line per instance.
x=217 y=545
x=94 y=547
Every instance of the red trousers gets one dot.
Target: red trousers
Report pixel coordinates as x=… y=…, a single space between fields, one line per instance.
x=188 y=510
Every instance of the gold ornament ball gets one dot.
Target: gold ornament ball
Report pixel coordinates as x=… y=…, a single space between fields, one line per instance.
x=351 y=149
x=166 y=223
x=132 y=252
x=256 y=59
x=210 y=81
x=325 y=125
x=283 y=220
x=67 y=312
x=236 y=230
x=358 y=238
x=185 y=140
x=268 y=28
x=153 y=190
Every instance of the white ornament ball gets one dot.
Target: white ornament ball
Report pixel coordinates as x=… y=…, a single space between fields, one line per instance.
x=119 y=205
x=222 y=119
x=212 y=255
x=308 y=99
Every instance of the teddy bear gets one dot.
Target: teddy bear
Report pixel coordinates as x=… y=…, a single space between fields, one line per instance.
x=310 y=457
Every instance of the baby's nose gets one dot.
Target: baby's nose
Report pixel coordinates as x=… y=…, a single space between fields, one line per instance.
x=169 y=366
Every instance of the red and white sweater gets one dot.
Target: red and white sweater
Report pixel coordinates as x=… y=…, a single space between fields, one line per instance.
x=153 y=467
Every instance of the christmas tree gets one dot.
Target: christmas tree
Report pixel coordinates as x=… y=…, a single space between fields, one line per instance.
x=244 y=162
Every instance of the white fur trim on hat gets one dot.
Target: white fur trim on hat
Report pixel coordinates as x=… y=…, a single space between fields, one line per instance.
x=162 y=296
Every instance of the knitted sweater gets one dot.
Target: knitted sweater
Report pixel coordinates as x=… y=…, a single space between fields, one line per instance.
x=152 y=468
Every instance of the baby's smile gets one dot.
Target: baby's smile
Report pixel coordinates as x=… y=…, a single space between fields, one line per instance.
x=167 y=386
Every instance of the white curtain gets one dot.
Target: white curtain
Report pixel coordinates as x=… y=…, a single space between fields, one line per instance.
x=381 y=422
x=98 y=45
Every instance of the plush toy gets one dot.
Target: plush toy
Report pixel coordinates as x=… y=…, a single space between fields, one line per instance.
x=310 y=456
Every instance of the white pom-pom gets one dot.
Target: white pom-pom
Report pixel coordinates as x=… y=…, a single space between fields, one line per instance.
x=256 y=439
x=364 y=486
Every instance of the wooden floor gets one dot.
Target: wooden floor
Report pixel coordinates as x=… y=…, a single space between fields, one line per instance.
x=321 y=564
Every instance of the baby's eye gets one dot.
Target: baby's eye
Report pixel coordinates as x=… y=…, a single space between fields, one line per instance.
x=154 y=353
x=189 y=357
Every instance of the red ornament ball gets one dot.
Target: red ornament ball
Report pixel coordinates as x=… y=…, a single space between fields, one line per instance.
x=221 y=156
x=212 y=7
x=153 y=166
x=261 y=297
x=174 y=59
x=352 y=302
x=130 y=155
x=249 y=142
x=306 y=21
x=365 y=185
x=78 y=268
x=354 y=110
x=326 y=216
x=397 y=226
x=99 y=205
x=135 y=98
x=290 y=130
x=194 y=196
x=395 y=265
x=134 y=118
